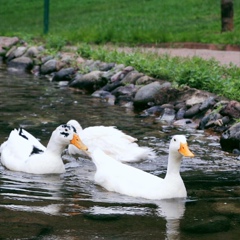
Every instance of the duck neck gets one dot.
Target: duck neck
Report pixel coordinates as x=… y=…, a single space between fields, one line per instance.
x=55 y=147
x=174 y=162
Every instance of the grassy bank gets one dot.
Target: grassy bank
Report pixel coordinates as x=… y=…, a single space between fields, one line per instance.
x=196 y=72
x=131 y=22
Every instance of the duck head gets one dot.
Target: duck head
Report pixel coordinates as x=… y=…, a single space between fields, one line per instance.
x=75 y=124
x=179 y=144
x=67 y=134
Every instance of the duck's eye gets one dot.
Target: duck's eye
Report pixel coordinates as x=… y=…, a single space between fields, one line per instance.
x=174 y=139
x=66 y=130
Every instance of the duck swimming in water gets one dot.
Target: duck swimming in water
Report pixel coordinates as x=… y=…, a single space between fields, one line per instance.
x=111 y=141
x=23 y=152
x=124 y=179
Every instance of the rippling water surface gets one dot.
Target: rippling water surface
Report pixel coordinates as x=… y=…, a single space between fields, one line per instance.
x=71 y=206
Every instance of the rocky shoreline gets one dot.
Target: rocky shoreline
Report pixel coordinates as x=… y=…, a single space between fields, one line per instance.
x=124 y=86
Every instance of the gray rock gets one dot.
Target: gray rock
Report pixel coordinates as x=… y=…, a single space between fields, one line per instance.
x=19 y=51
x=131 y=77
x=90 y=82
x=185 y=123
x=106 y=66
x=46 y=59
x=191 y=112
x=105 y=96
x=147 y=94
x=232 y=110
x=21 y=64
x=144 y=80
x=230 y=139
x=128 y=90
x=208 y=103
x=168 y=115
x=153 y=111
x=32 y=52
x=10 y=54
x=111 y=86
x=180 y=113
x=117 y=76
x=65 y=74
x=49 y=67
x=7 y=42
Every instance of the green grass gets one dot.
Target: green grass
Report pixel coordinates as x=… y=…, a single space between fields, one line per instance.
x=129 y=22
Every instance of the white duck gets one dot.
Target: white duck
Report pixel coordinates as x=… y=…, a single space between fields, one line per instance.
x=23 y=152
x=112 y=141
x=118 y=177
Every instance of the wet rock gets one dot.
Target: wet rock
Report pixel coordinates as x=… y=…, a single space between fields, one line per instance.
x=131 y=77
x=153 y=111
x=105 y=96
x=65 y=74
x=185 y=123
x=208 y=103
x=191 y=112
x=111 y=86
x=124 y=101
x=230 y=139
x=21 y=64
x=232 y=110
x=147 y=94
x=179 y=105
x=49 y=67
x=217 y=121
x=166 y=94
x=90 y=82
x=128 y=90
x=168 y=115
x=180 y=113
x=209 y=225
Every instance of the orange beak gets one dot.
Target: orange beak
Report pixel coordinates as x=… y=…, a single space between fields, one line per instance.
x=184 y=150
x=76 y=141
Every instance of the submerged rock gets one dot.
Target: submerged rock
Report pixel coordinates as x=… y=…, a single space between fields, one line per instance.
x=210 y=225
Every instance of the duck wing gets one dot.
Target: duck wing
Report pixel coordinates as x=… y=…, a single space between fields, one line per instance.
x=19 y=147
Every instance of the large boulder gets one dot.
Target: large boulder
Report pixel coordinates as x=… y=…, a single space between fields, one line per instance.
x=6 y=43
x=147 y=94
x=89 y=82
x=21 y=64
x=49 y=67
x=65 y=74
x=232 y=109
x=230 y=139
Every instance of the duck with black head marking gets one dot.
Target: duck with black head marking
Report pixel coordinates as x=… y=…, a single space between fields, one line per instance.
x=23 y=152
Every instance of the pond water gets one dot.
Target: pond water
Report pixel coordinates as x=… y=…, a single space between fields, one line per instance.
x=70 y=206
